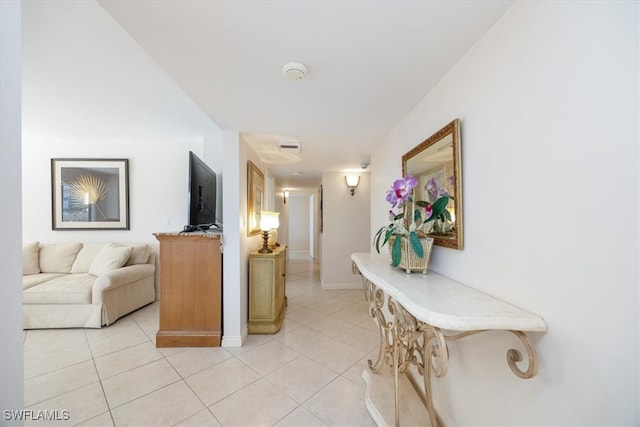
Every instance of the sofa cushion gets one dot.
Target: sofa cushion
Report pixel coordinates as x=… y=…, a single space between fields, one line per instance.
x=86 y=256
x=66 y=289
x=110 y=257
x=30 y=264
x=35 y=279
x=139 y=253
x=58 y=257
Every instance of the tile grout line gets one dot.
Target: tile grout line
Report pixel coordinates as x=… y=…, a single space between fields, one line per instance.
x=163 y=356
x=305 y=290
x=104 y=394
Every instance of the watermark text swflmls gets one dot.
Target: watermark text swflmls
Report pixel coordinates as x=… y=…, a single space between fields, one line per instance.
x=36 y=415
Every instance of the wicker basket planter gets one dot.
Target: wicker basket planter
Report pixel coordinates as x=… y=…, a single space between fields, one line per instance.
x=409 y=261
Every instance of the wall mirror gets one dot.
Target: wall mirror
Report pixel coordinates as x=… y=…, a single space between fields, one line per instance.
x=438 y=160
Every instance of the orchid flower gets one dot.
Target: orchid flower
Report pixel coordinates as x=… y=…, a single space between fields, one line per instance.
x=401 y=190
x=428 y=210
x=411 y=221
x=434 y=191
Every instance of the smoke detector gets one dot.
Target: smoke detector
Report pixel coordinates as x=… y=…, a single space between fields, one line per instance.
x=294 y=71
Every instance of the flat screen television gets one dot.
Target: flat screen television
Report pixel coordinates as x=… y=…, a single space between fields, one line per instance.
x=202 y=193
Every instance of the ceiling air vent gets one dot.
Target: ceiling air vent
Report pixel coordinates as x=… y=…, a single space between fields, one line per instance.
x=290 y=147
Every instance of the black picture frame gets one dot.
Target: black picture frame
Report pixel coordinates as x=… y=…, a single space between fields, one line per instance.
x=89 y=194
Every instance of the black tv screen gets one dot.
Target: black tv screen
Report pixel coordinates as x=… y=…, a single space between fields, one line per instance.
x=202 y=192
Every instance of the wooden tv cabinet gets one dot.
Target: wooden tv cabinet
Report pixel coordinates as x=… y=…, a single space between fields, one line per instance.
x=190 y=290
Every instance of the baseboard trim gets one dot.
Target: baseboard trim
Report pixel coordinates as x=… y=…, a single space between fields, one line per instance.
x=235 y=340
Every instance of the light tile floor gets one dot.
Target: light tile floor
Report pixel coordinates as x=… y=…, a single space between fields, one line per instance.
x=308 y=374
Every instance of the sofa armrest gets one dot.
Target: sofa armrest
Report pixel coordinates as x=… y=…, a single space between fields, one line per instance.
x=120 y=277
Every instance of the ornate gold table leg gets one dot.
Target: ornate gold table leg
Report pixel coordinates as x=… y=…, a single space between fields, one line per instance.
x=514 y=356
x=376 y=299
x=396 y=369
x=435 y=358
x=406 y=341
x=407 y=346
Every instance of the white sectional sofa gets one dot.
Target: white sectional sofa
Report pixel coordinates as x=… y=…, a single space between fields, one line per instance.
x=86 y=285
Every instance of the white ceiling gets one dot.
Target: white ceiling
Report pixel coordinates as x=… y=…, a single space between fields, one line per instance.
x=370 y=63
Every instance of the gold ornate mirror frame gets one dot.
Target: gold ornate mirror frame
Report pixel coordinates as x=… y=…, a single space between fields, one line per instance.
x=438 y=158
x=255 y=198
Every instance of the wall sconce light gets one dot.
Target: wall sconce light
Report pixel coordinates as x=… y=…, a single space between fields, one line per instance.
x=352 y=182
x=285 y=196
x=268 y=221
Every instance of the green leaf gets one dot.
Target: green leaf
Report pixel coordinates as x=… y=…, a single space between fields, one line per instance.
x=377 y=240
x=416 y=215
x=388 y=235
x=386 y=231
x=438 y=207
x=415 y=244
x=396 y=252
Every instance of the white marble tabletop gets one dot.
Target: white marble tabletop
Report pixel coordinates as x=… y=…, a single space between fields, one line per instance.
x=442 y=302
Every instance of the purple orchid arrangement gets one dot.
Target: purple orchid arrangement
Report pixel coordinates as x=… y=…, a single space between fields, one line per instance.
x=420 y=215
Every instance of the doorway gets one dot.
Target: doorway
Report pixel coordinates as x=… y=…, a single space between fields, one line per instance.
x=302 y=230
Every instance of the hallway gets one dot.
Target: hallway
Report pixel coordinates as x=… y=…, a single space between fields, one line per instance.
x=308 y=374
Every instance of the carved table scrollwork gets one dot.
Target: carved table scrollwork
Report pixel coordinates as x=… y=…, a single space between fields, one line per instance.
x=413 y=335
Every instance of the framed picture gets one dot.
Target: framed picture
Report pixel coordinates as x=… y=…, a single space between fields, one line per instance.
x=255 y=198
x=90 y=194
x=321 y=209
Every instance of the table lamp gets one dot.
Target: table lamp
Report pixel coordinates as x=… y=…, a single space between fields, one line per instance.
x=268 y=221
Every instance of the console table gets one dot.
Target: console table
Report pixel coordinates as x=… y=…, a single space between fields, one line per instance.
x=190 y=289
x=421 y=308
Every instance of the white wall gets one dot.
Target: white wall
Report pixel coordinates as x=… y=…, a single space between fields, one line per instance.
x=548 y=101
x=345 y=230
x=301 y=208
x=11 y=336
x=234 y=272
x=299 y=223
x=237 y=247
x=157 y=184
x=91 y=91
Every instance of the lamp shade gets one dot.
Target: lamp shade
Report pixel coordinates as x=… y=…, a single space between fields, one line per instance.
x=269 y=220
x=352 y=180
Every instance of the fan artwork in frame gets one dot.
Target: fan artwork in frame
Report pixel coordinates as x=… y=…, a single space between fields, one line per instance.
x=90 y=194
